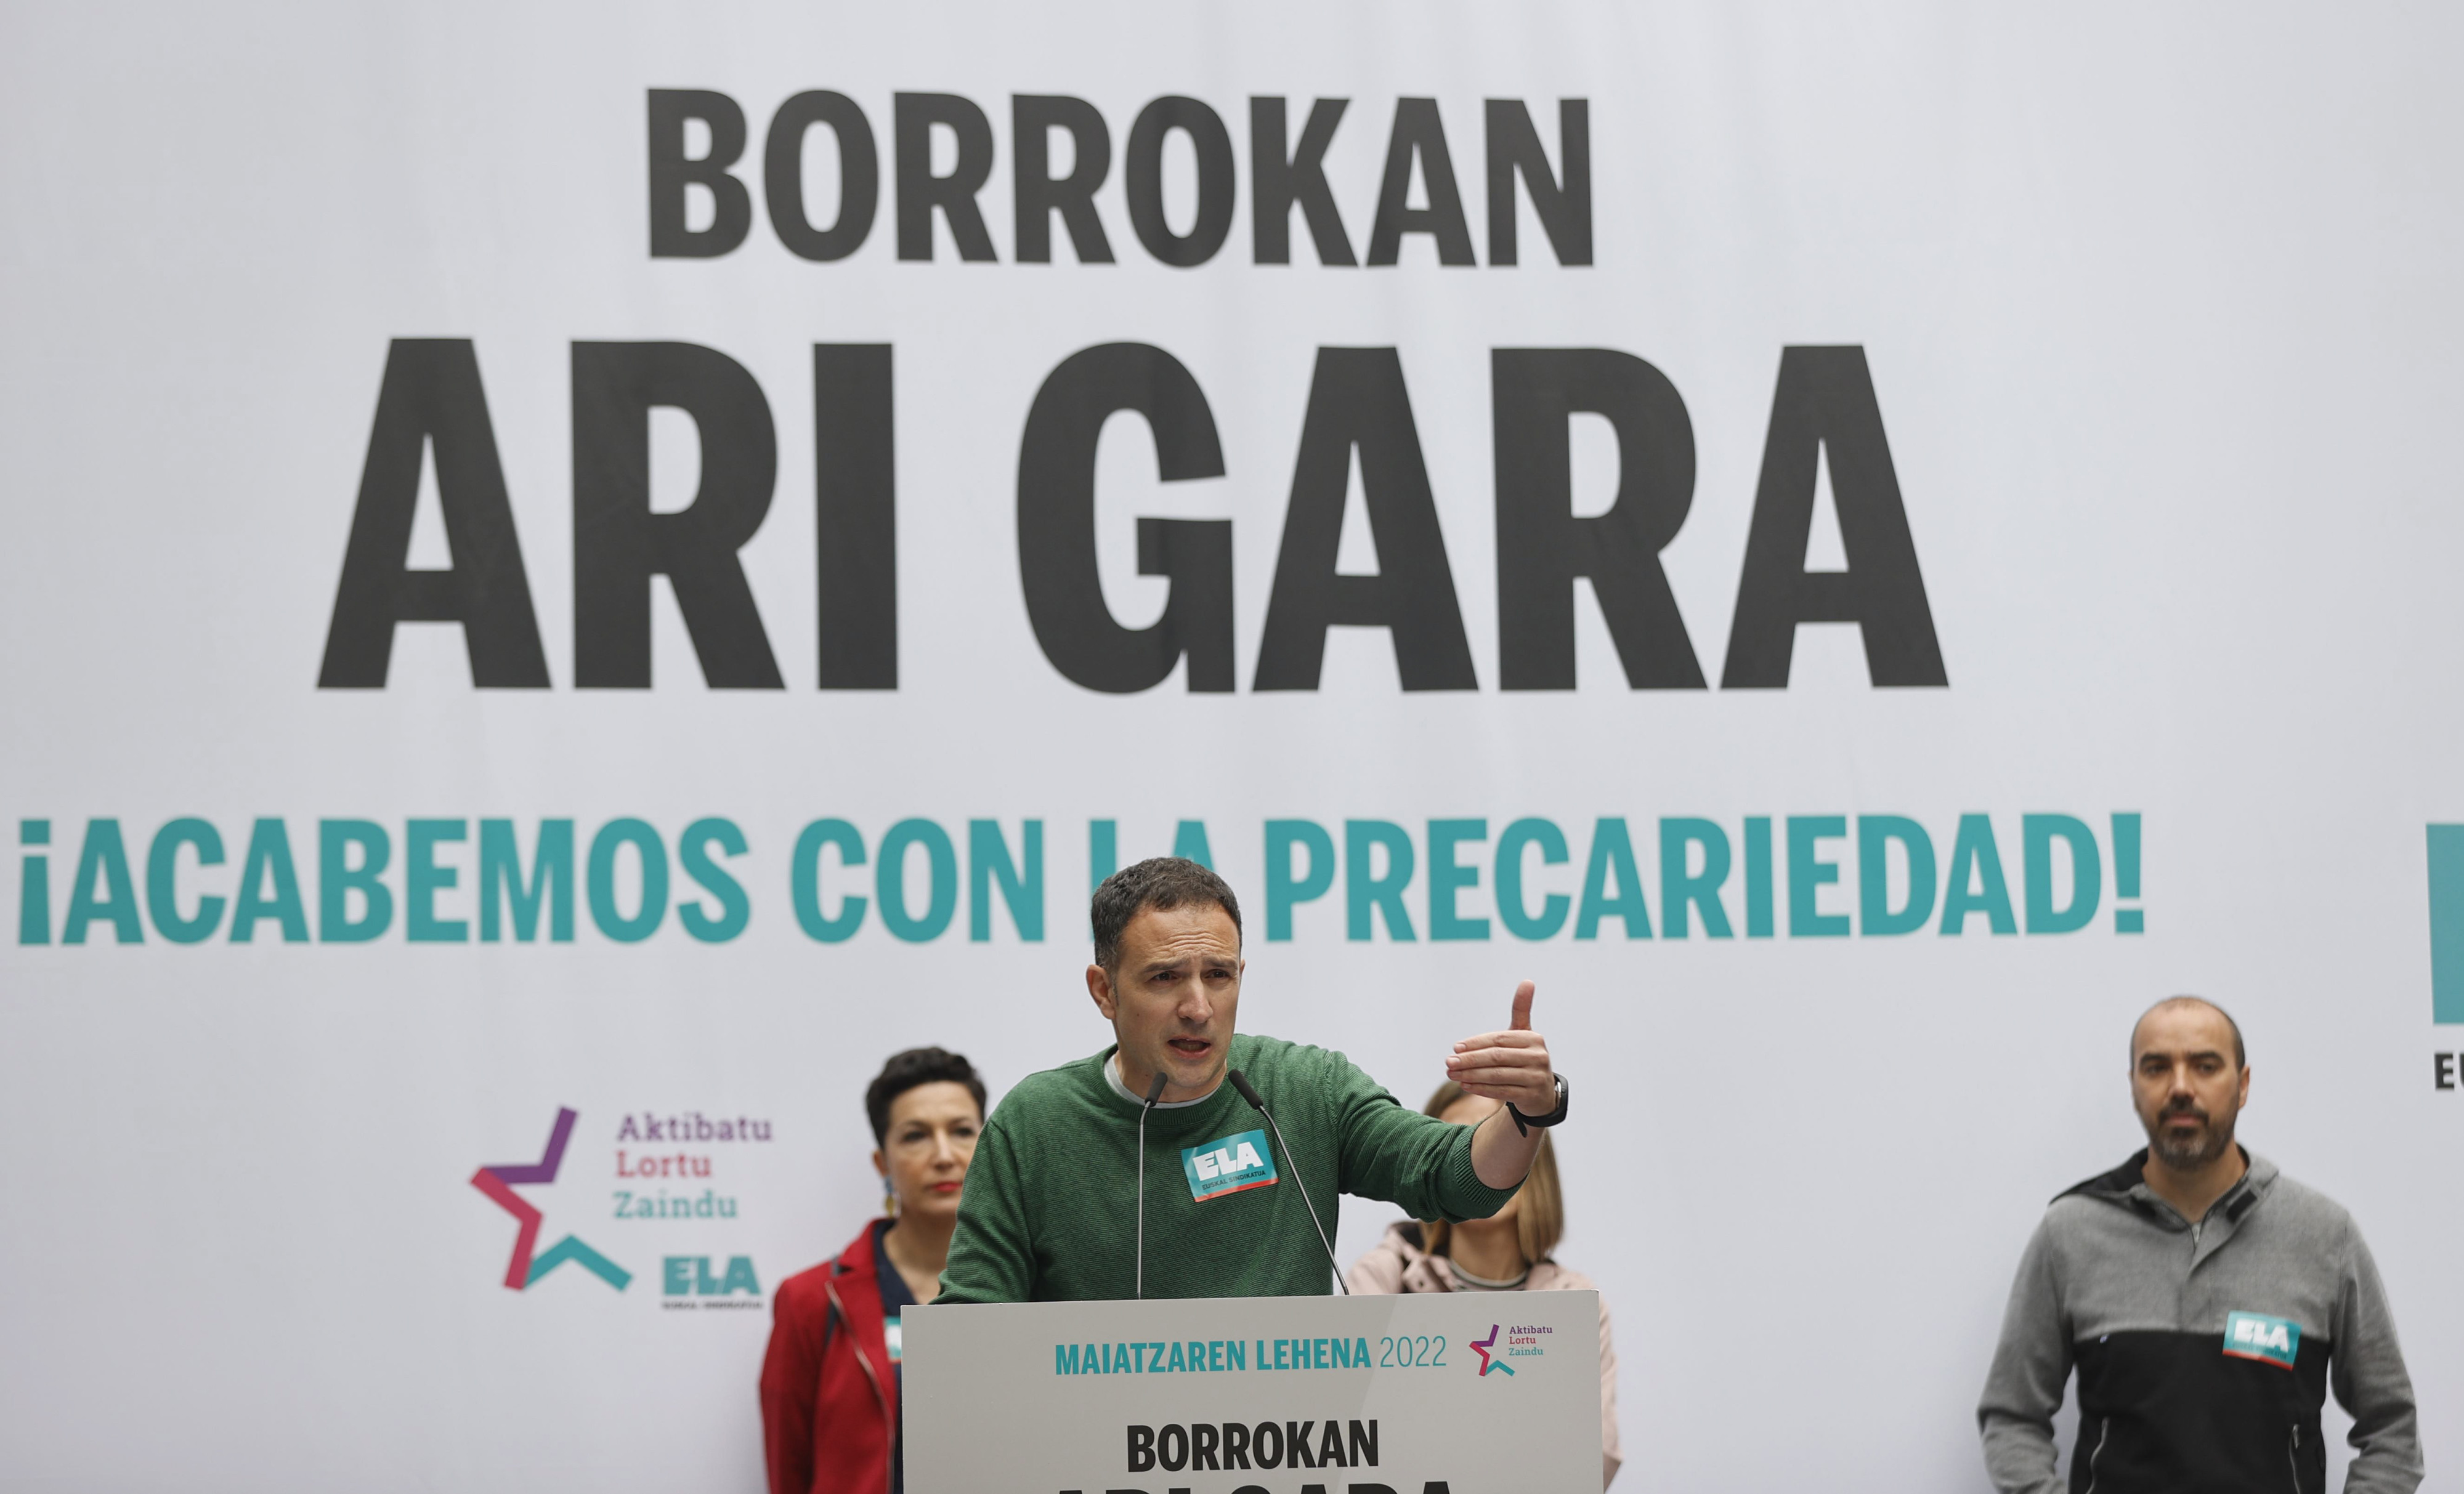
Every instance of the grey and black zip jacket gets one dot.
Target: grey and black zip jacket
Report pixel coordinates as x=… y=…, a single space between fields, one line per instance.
x=2146 y=1306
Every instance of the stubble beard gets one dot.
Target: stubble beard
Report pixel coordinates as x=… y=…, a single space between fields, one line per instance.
x=2189 y=1154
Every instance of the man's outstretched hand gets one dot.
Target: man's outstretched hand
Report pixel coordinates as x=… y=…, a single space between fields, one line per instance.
x=1512 y=1066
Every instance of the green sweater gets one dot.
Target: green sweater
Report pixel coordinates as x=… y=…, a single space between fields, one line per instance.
x=1051 y=1211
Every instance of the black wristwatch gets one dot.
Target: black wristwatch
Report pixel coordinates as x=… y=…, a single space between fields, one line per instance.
x=1523 y=1123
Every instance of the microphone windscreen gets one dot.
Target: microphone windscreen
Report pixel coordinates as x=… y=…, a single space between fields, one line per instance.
x=1155 y=1090
x=1240 y=1085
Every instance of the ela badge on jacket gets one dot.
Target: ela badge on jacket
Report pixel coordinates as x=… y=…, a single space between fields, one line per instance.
x=2255 y=1335
x=1234 y=1164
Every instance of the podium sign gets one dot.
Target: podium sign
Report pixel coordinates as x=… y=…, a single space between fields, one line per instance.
x=1458 y=1393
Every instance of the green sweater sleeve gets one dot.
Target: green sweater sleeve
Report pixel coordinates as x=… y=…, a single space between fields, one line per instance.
x=1403 y=1156
x=991 y=1257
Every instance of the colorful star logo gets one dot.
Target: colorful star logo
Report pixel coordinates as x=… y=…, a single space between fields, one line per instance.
x=498 y=1182
x=1487 y=1362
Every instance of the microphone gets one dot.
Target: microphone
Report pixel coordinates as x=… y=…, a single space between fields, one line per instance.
x=1155 y=1093
x=1240 y=1082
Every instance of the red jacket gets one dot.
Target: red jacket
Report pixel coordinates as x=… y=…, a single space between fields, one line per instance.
x=829 y=1393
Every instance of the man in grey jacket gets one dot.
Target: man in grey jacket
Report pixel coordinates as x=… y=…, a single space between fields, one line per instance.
x=2207 y=1303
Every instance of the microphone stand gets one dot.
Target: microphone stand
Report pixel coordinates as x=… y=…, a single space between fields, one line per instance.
x=1240 y=1082
x=1155 y=1093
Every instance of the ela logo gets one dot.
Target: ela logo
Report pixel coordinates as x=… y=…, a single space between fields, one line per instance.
x=1234 y=1164
x=2255 y=1335
x=1489 y=1360
x=688 y=1276
x=689 y=1286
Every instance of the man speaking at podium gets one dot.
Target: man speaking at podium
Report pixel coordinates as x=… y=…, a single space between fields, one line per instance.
x=1226 y=1194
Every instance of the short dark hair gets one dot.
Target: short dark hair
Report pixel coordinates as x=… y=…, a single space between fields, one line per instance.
x=905 y=1071
x=2241 y=1054
x=1161 y=883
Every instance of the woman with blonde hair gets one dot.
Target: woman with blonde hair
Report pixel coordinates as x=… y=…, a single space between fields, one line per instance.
x=1512 y=1250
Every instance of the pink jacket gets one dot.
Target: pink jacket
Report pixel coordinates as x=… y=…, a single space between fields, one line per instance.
x=1399 y=1264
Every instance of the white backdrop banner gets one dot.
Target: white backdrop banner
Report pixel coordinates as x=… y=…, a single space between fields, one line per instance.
x=576 y=576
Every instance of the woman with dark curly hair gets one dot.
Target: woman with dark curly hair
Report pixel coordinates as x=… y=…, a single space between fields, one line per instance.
x=830 y=1384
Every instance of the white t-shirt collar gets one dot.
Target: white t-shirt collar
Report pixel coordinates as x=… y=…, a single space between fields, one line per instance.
x=1112 y=1077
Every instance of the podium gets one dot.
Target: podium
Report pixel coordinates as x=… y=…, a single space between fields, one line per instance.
x=1457 y=1393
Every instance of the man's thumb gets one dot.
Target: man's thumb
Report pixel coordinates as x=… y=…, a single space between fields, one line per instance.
x=1522 y=1022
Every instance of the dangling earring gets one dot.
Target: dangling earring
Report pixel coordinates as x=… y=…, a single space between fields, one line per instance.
x=889 y=1200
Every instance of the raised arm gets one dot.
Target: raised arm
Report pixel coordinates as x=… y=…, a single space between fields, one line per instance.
x=1512 y=1066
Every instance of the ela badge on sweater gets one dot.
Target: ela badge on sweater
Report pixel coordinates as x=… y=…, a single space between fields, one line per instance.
x=1234 y=1164
x=2255 y=1335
